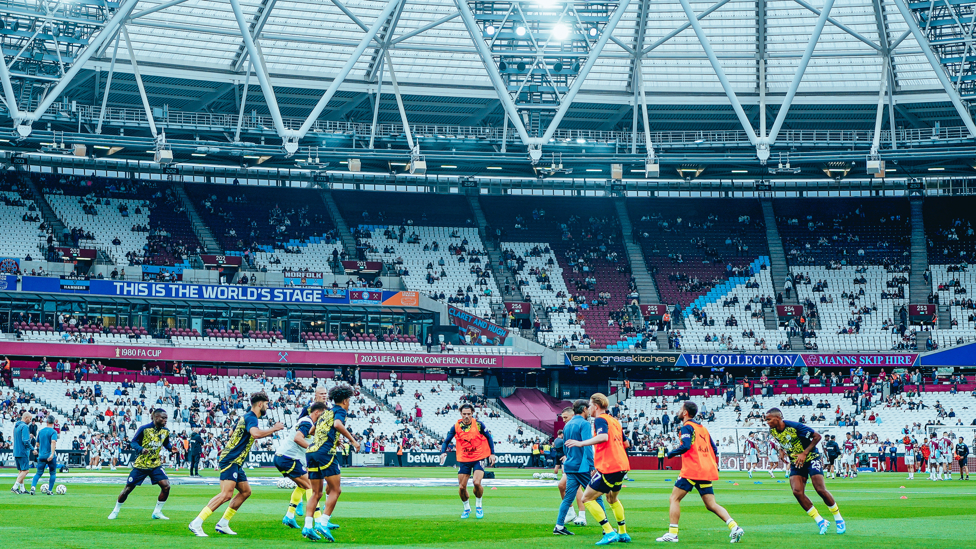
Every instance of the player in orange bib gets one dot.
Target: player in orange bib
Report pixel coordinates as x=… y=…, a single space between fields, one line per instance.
x=699 y=469
x=473 y=445
x=612 y=465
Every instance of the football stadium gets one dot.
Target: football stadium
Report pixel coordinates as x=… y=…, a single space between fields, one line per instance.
x=462 y=273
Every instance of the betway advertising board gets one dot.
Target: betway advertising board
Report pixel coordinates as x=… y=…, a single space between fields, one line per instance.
x=433 y=459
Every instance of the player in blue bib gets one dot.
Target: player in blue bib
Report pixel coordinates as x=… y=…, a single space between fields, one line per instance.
x=149 y=441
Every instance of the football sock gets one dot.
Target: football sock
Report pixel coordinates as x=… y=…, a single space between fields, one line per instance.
x=477 y=502
x=618 y=513
x=815 y=515
x=673 y=529
x=467 y=505
x=597 y=512
x=836 y=511
x=309 y=522
x=118 y=507
x=50 y=482
x=158 y=509
x=228 y=514
x=317 y=514
x=732 y=524
x=296 y=498
x=204 y=514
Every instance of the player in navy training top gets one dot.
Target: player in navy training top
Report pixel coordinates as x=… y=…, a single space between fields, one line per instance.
x=149 y=441
x=800 y=444
x=231 y=466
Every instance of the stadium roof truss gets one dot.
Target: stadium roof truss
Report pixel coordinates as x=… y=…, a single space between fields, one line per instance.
x=523 y=65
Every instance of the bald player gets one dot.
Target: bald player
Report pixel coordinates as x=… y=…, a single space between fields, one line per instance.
x=23 y=446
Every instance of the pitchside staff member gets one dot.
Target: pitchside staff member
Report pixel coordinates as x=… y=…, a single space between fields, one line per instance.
x=962 y=454
x=832 y=449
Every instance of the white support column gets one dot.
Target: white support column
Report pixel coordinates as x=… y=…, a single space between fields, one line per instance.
x=879 y=116
x=344 y=72
x=257 y=60
x=399 y=100
x=720 y=73
x=376 y=102
x=647 y=126
x=8 y=93
x=240 y=115
x=496 y=79
x=108 y=85
x=800 y=70
x=594 y=54
x=107 y=31
x=138 y=77
x=937 y=67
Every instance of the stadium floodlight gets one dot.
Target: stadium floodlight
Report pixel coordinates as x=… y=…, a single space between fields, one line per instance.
x=520 y=30
x=490 y=30
x=593 y=32
x=560 y=32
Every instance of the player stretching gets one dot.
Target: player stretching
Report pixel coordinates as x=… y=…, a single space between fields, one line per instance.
x=290 y=460
x=610 y=461
x=752 y=453
x=473 y=445
x=909 y=456
x=699 y=469
x=962 y=455
x=800 y=443
x=231 y=467
x=47 y=440
x=149 y=441
x=322 y=465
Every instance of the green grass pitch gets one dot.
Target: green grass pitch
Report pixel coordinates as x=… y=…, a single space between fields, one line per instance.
x=935 y=514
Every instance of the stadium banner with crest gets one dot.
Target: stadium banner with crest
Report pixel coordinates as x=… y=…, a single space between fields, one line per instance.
x=303 y=278
x=853 y=360
x=475 y=326
x=651 y=360
x=9 y=265
x=284 y=356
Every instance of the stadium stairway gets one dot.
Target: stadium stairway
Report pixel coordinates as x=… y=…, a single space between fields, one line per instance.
x=206 y=238
x=348 y=242
x=645 y=282
x=366 y=392
x=918 y=288
x=47 y=212
x=725 y=288
x=498 y=268
x=777 y=256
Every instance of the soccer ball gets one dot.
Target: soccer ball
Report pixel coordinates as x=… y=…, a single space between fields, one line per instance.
x=536 y=475
x=285 y=483
x=61 y=490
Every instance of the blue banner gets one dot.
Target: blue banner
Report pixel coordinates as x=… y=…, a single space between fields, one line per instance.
x=8 y=283
x=727 y=359
x=163 y=290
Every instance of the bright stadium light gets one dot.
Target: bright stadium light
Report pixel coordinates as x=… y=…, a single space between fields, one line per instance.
x=520 y=30
x=560 y=32
x=490 y=30
x=593 y=32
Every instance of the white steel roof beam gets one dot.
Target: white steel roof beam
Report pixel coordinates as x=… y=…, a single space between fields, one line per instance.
x=840 y=26
x=257 y=59
x=936 y=66
x=798 y=76
x=720 y=73
x=107 y=32
x=344 y=72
